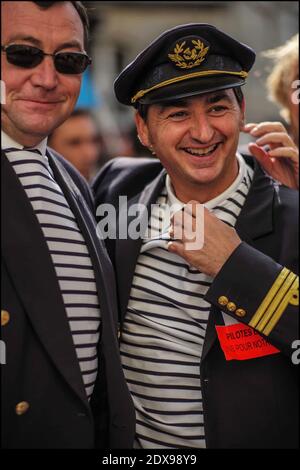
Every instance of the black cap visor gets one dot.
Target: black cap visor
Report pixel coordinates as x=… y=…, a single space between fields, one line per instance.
x=191 y=87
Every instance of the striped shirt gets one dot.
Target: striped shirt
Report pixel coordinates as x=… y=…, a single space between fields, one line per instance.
x=164 y=330
x=68 y=250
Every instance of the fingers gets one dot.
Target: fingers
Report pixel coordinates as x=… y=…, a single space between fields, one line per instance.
x=257 y=151
x=248 y=127
x=180 y=249
x=264 y=156
x=261 y=155
x=281 y=163
x=263 y=128
x=273 y=134
x=286 y=152
x=190 y=209
x=187 y=225
x=278 y=138
x=206 y=253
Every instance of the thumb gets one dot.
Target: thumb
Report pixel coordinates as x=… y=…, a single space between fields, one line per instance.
x=176 y=247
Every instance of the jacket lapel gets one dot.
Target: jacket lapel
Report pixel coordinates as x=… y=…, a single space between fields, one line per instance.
x=28 y=260
x=256 y=217
x=108 y=347
x=104 y=273
x=127 y=250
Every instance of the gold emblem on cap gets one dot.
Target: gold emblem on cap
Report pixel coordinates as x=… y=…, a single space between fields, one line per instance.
x=187 y=58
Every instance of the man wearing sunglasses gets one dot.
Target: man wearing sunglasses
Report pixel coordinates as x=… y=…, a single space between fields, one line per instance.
x=58 y=323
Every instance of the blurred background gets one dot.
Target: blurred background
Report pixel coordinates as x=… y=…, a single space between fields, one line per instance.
x=120 y=30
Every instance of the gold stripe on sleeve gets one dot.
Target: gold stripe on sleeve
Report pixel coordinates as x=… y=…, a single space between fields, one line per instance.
x=269 y=297
x=291 y=297
x=276 y=301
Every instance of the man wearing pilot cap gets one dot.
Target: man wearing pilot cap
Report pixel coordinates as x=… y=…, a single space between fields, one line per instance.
x=182 y=63
x=207 y=332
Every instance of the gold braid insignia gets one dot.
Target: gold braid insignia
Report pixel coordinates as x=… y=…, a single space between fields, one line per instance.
x=187 y=58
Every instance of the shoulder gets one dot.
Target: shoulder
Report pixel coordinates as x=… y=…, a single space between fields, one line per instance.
x=77 y=178
x=127 y=167
x=125 y=175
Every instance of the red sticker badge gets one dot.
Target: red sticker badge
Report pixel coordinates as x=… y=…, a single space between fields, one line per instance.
x=242 y=342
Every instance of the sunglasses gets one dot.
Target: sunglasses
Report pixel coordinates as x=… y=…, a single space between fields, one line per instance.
x=29 y=57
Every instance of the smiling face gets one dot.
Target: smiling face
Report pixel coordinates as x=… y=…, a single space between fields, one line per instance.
x=196 y=141
x=38 y=99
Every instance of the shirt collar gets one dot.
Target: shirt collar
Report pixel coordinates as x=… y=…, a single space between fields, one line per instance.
x=7 y=142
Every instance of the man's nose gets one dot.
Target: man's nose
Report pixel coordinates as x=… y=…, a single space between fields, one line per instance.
x=201 y=128
x=45 y=74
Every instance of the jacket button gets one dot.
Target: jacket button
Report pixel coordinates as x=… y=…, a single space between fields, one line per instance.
x=4 y=317
x=223 y=300
x=22 y=407
x=231 y=306
x=240 y=312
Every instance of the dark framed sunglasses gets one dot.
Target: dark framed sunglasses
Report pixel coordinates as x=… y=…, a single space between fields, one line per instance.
x=29 y=57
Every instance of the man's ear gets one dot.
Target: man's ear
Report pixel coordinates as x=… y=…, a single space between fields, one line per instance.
x=142 y=129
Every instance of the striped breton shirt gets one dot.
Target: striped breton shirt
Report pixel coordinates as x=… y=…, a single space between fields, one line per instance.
x=164 y=329
x=68 y=251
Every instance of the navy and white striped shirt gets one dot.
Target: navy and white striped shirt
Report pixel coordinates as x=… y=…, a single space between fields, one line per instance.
x=68 y=250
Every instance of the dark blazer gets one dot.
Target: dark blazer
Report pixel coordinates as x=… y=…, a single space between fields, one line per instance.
x=41 y=364
x=251 y=403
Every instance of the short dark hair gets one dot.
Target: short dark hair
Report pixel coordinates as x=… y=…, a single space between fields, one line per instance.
x=81 y=10
x=239 y=95
x=142 y=109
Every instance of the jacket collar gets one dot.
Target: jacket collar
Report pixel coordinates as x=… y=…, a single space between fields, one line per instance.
x=107 y=295
x=7 y=142
x=103 y=270
x=256 y=217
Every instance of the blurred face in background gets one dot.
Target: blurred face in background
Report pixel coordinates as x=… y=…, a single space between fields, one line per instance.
x=77 y=140
x=38 y=99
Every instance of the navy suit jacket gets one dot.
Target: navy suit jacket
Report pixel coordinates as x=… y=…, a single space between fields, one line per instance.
x=41 y=364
